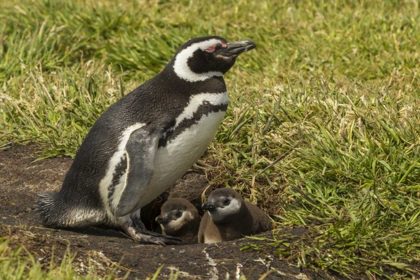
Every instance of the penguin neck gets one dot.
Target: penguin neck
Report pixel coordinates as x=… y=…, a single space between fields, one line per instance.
x=188 y=233
x=235 y=219
x=189 y=228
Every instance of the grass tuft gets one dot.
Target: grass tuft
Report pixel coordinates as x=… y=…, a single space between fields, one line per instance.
x=19 y=264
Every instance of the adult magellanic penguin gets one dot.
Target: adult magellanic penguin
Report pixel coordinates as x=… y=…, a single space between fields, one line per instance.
x=146 y=141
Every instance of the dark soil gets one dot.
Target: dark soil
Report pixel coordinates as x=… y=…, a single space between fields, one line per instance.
x=21 y=179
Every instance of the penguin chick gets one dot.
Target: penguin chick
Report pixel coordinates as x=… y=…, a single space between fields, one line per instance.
x=146 y=141
x=179 y=218
x=229 y=217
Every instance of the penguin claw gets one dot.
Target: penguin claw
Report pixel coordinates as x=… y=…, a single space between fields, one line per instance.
x=143 y=238
x=152 y=233
x=167 y=239
x=149 y=237
x=159 y=240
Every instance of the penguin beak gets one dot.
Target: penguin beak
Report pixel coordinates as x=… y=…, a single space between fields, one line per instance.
x=161 y=220
x=209 y=206
x=236 y=48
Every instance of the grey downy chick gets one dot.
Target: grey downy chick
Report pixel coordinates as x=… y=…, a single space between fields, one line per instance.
x=229 y=217
x=179 y=218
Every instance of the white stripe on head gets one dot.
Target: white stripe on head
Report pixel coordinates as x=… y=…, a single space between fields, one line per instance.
x=182 y=69
x=221 y=213
x=175 y=225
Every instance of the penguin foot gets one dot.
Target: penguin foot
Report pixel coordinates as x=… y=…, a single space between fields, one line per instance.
x=141 y=234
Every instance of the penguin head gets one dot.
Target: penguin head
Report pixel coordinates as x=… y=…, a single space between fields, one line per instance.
x=206 y=57
x=223 y=204
x=175 y=214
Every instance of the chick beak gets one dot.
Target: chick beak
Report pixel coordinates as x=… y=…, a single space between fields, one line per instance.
x=161 y=220
x=209 y=206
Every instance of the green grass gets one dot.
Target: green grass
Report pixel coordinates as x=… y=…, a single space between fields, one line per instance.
x=332 y=90
x=19 y=264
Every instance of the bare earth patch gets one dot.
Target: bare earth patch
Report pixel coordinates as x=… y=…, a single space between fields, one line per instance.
x=21 y=179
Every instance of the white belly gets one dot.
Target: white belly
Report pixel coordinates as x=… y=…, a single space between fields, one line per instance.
x=173 y=160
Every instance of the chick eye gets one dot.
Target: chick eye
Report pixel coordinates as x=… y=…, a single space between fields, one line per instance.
x=218 y=46
x=178 y=214
x=226 y=202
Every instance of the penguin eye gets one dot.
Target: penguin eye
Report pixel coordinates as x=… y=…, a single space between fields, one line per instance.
x=226 y=202
x=216 y=47
x=178 y=214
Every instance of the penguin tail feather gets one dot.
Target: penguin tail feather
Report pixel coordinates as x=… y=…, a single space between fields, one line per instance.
x=50 y=211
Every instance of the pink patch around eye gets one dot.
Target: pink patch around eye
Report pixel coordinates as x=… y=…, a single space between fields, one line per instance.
x=210 y=49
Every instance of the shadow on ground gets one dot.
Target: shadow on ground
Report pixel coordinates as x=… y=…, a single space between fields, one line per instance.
x=21 y=179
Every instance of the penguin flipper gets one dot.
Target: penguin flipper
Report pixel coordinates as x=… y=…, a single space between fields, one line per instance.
x=202 y=228
x=140 y=150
